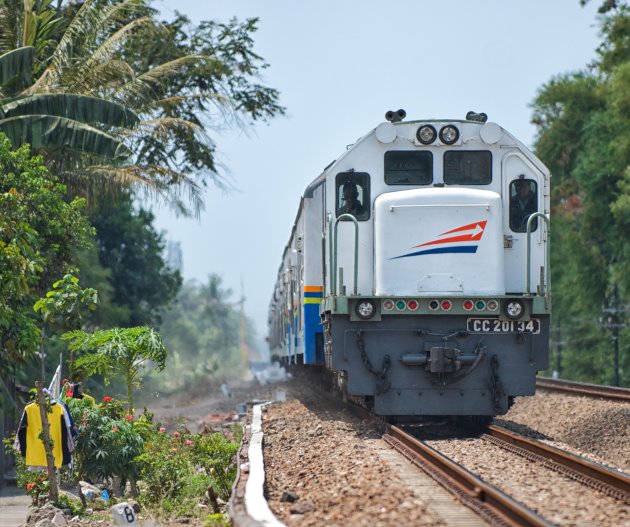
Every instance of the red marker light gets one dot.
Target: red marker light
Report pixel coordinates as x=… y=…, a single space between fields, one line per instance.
x=412 y=305
x=446 y=305
x=468 y=305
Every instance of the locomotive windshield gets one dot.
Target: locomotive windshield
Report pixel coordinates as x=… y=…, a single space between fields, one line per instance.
x=467 y=167
x=408 y=168
x=353 y=194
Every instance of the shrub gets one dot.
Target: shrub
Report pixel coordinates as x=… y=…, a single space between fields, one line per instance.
x=108 y=441
x=177 y=469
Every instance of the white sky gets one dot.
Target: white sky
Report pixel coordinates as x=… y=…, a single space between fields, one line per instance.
x=339 y=65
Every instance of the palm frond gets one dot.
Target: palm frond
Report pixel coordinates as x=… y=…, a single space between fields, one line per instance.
x=154 y=182
x=10 y=11
x=142 y=87
x=81 y=34
x=80 y=108
x=17 y=63
x=169 y=103
x=106 y=51
x=103 y=77
x=46 y=131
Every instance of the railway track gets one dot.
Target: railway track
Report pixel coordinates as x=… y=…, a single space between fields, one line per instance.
x=580 y=388
x=493 y=504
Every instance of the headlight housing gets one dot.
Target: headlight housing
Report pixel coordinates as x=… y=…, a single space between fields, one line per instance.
x=514 y=309
x=449 y=134
x=426 y=134
x=365 y=309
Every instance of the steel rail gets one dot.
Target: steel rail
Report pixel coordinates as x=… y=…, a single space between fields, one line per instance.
x=581 y=388
x=489 y=502
x=604 y=479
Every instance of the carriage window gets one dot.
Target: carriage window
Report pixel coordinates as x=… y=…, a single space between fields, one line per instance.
x=408 y=168
x=353 y=194
x=467 y=167
x=523 y=203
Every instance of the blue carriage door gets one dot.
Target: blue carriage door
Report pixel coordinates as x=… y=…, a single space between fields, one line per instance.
x=313 y=255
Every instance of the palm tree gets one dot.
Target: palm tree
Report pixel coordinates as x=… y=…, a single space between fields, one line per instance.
x=105 y=115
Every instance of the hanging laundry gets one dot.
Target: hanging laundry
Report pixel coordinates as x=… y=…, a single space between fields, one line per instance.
x=31 y=447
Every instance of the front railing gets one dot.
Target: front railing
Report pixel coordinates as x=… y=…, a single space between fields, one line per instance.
x=333 y=255
x=545 y=277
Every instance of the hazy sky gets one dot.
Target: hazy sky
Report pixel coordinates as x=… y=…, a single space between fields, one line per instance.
x=339 y=65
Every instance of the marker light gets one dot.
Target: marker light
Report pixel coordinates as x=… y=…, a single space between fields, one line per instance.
x=412 y=305
x=447 y=305
x=388 y=305
x=365 y=309
x=492 y=305
x=480 y=304
x=468 y=305
x=514 y=309
x=426 y=134
x=434 y=305
x=401 y=305
x=449 y=134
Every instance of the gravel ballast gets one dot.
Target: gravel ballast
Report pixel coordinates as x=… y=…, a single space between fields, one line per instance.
x=322 y=465
x=322 y=468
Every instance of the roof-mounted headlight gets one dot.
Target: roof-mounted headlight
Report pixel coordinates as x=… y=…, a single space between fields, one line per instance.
x=426 y=134
x=449 y=134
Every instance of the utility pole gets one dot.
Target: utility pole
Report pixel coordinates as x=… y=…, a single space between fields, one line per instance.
x=614 y=320
x=243 y=335
x=559 y=343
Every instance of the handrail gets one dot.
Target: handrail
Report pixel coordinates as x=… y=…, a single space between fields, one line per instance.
x=356 y=251
x=529 y=251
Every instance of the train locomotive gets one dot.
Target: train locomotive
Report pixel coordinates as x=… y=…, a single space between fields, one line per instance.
x=417 y=270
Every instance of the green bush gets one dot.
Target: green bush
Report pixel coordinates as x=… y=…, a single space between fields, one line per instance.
x=178 y=469
x=108 y=441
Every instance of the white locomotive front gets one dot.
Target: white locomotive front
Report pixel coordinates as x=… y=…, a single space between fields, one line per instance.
x=417 y=270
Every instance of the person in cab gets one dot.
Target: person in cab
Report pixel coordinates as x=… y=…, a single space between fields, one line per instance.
x=523 y=204
x=351 y=204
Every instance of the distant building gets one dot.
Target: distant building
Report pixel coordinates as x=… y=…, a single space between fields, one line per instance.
x=174 y=256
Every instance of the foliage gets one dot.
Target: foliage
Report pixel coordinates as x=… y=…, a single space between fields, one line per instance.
x=108 y=441
x=584 y=137
x=91 y=271
x=66 y=304
x=161 y=85
x=202 y=332
x=118 y=351
x=39 y=233
x=177 y=469
x=132 y=250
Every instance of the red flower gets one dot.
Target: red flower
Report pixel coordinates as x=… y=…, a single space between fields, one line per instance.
x=29 y=486
x=69 y=395
x=129 y=417
x=114 y=429
x=107 y=399
x=176 y=434
x=189 y=442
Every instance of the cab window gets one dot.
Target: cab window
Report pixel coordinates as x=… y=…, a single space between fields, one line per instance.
x=408 y=168
x=523 y=203
x=353 y=194
x=467 y=167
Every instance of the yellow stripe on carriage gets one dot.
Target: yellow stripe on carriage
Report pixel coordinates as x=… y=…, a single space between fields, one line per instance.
x=312 y=300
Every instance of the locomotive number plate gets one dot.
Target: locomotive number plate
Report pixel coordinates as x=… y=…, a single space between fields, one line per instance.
x=492 y=325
